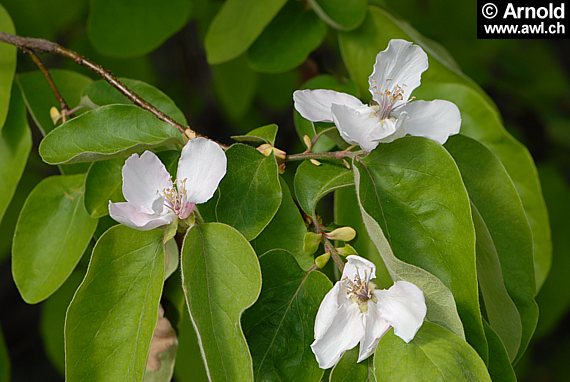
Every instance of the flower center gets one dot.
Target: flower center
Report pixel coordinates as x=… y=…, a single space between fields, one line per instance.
x=387 y=99
x=360 y=291
x=176 y=200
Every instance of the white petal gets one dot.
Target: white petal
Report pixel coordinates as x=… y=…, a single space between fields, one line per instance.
x=400 y=64
x=359 y=266
x=399 y=129
x=374 y=328
x=436 y=120
x=327 y=310
x=403 y=306
x=126 y=213
x=144 y=179
x=361 y=126
x=315 y=105
x=343 y=334
x=203 y=164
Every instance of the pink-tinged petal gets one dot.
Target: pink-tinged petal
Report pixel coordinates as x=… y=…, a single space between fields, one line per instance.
x=315 y=105
x=361 y=126
x=357 y=266
x=144 y=179
x=400 y=64
x=126 y=213
x=374 y=328
x=344 y=333
x=202 y=166
x=436 y=120
x=403 y=306
x=328 y=309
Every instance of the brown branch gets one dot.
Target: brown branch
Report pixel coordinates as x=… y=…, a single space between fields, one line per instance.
x=328 y=155
x=64 y=109
x=37 y=44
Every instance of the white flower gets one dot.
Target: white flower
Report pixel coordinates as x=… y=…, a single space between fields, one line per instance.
x=354 y=311
x=154 y=200
x=391 y=115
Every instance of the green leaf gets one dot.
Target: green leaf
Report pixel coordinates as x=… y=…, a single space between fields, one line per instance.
x=481 y=121
x=189 y=365
x=279 y=327
x=413 y=189
x=349 y=370
x=4 y=361
x=15 y=146
x=235 y=84
x=500 y=309
x=499 y=364
x=53 y=318
x=142 y=25
x=236 y=26
x=112 y=317
x=503 y=218
x=263 y=134
x=435 y=354
x=100 y=93
x=103 y=183
x=340 y=14
x=312 y=183
x=285 y=231
x=221 y=278
x=39 y=97
x=106 y=132
x=249 y=195
x=288 y=40
x=52 y=233
x=7 y=65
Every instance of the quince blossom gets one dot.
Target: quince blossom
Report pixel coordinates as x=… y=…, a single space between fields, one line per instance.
x=391 y=114
x=354 y=311
x=154 y=200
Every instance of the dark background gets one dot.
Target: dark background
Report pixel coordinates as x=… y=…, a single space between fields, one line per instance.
x=528 y=79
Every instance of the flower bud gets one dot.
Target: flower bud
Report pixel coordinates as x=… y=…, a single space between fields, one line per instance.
x=342 y=233
x=54 y=114
x=347 y=250
x=315 y=162
x=307 y=142
x=322 y=260
x=311 y=242
x=265 y=149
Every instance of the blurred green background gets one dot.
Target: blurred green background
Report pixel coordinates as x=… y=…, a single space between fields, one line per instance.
x=528 y=79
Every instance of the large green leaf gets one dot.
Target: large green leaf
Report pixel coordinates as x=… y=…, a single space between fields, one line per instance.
x=52 y=233
x=260 y=135
x=7 y=65
x=279 y=327
x=100 y=93
x=189 y=365
x=435 y=354
x=495 y=198
x=103 y=183
x=481 y=121
x=221 y=278
x=341 y=14
x=40 y=99
x=111 y=318
x=480 y=116
x=285 y=231
x=15 y=146
x=312 y=183
x=250 y=194
x=52 y=322
x=142 y=25
x=106 y=132
x=237 y=25
x=413 y=189
x=288 y=40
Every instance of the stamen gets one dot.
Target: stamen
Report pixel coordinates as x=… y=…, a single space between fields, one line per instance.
x=386 y=99
x=176 y=200
x=360 y=291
